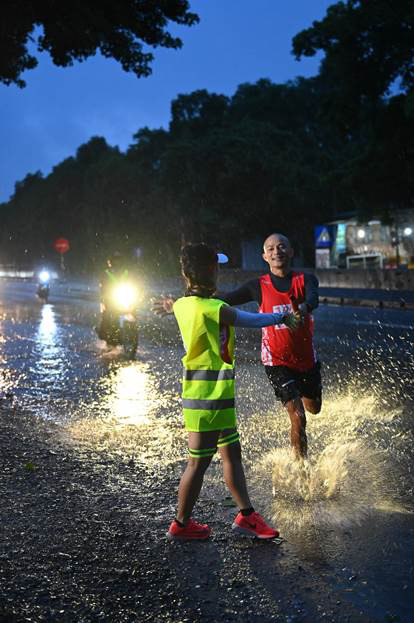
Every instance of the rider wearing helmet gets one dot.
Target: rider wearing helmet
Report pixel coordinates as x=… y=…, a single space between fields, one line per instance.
x=115 y=272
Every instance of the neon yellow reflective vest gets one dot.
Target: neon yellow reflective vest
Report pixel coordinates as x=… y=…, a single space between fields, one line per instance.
x=208 y=380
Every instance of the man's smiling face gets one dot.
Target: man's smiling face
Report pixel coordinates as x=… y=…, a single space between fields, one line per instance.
x=277 y=251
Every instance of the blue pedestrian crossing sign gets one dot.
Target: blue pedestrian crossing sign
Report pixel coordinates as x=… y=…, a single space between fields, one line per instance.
x=323 y=237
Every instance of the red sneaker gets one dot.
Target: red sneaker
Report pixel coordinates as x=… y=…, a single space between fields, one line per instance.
x=253 y=525
x=192 y=531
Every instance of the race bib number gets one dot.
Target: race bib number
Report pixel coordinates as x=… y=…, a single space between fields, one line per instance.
x=281 y=309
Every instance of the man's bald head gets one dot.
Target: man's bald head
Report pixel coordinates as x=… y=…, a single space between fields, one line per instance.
x=278 y=253
x=274 y=237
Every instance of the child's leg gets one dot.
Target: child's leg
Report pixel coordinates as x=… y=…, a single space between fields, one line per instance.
x=233 y=472
x=202 y=447
x=248 y=522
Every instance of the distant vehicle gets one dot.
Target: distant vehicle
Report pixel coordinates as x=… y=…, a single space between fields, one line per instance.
x=119 y=326
x=43 y=287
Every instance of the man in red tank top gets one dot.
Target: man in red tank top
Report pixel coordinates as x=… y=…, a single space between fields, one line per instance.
x=288 y=356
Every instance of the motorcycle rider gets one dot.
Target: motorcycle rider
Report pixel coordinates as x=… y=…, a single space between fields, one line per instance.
x=43 y=288
x=115 y=273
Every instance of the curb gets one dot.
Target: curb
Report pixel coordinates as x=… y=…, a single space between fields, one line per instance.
x=341 y=300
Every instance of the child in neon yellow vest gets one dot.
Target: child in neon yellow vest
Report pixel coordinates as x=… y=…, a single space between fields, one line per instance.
x=207 y=328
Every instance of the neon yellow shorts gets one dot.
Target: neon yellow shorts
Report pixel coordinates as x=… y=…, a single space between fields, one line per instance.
x=222 y=442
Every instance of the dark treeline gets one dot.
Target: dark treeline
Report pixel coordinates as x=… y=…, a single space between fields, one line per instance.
x=271 y=157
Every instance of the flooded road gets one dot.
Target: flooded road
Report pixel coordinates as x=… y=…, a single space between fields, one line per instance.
x=347 y=515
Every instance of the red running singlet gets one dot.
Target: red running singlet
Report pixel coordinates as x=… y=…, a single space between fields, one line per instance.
x=281 y=347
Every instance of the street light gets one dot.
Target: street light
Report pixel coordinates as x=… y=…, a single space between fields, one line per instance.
x=407 y=231
x=361 y=233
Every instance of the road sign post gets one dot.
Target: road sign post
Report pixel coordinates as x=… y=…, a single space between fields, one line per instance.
x=62 y=246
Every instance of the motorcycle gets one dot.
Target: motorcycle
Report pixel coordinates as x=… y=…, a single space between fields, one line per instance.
x=119 y=326
x=43 y=287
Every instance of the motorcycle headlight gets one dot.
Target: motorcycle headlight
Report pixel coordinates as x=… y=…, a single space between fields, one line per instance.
x=44 y=276
x=125 y=296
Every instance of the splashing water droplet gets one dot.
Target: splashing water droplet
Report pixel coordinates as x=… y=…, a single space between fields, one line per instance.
x=353 y=444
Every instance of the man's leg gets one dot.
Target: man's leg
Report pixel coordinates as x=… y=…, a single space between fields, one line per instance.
x=312 y=405
x=311 y=389
x=298 y=439
x=202 y=447
x=230 y=453
x=284 y=382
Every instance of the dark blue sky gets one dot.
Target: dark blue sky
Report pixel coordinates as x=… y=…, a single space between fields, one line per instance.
x=62 y=108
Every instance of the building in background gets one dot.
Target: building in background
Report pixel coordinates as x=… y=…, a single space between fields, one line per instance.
x=351 y=244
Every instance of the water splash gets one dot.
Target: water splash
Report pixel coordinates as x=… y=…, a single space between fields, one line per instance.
x=341 y=486
x=352 y=469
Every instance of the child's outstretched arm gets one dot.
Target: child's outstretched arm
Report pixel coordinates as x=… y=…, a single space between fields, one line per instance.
x=238 y=318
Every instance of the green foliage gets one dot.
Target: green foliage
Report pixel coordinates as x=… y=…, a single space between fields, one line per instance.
x=73 y=31
x=368 y=48
x=367 y=78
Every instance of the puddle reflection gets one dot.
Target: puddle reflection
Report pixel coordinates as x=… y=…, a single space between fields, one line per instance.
x=47 y=327
x=50 y=361
x=130 y=400
x=127 y=418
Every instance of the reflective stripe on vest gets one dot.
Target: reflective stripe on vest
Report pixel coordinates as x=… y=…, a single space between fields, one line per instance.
x=208 y=375
x=208 y=405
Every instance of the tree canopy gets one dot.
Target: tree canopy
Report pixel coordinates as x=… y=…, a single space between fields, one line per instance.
x=368 y=94
x=368 y=48
x=70 y=31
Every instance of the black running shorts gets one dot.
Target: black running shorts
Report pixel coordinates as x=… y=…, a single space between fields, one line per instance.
x=289 y=384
